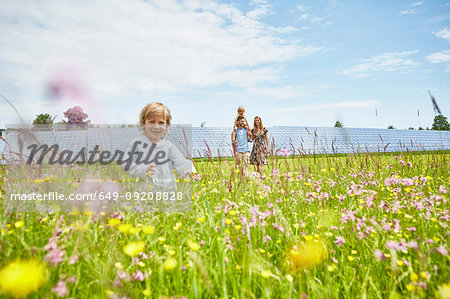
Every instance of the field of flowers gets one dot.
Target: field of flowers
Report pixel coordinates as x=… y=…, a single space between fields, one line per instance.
x=352 y=226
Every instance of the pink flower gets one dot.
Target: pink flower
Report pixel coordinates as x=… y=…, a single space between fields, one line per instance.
x=138 y=276
x=60 y=289
x=339 y=241
x=196 y=178
x=379 y=254
x=442 y=250
x=266 y=239
x=285 y=152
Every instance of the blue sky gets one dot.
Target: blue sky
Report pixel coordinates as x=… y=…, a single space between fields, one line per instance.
x=305 y=63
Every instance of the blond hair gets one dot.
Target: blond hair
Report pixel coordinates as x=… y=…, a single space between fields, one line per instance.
x=155 y=109
x=260 y=123
x=240 y=108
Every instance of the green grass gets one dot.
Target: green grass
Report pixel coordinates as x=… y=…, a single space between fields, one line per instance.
x=309 y=197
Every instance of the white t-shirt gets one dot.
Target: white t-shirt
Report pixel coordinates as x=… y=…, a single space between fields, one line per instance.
x=163 y=176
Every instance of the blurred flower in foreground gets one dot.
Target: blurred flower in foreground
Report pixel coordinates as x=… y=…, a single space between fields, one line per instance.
x=134 y=248
x=67 y=83
x=306 y=255
x=170 y=264
x=21 y=278
x=444 y=290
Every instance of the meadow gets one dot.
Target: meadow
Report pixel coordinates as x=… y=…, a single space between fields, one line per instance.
x=349 y=226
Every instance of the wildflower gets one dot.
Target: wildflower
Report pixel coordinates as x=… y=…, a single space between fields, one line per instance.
x=339 y=241
x=170 y=264
x=379 y=254
x=138 y=276
x=350 y=258
x=307 y=254
x=19 y=224
x=444 y=290
x=148 y=229
x=193 y=245
x=134 y=248
x=266 y=273
x=196 y=177
x=124 y=228
x=285 y=152
x=442 y=250
x=289 y=278
x=331 y=268
x=21 y=278
x=60 y=289
x=146 y=292
x=177 y=226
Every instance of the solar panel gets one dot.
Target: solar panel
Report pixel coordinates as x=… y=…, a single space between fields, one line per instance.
x=216 y=141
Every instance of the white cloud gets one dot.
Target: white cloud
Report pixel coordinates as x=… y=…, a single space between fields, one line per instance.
x=165 y=45
x=388 y=62
x=445 y=4
x=417 y=3
x=300 y=8
x=411 y=11
x=337 y=105
x=439 y=57
x=285 y=92
x=443 y=33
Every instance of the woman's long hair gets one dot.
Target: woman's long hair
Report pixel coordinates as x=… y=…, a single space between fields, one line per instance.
x=260 y=123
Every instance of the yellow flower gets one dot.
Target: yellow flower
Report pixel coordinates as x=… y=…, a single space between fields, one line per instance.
x=170 y=264
x=148 y=229
x=146 y=292
x=410 y=287
x=124 y=228
x=193 y=245
x=22 y=277
x=201 y=219
x=177 y=226
x=19 y=224
x=289 y=278
x=172 y=252
x=227 y=221
x=134 y=248
x=400 y=263
x=444 y=290
x=350 y=258
x=266 y=273
x=113 y=222
x=238 y=267
x=413 y=276
x=307 y=254
x=331 y=268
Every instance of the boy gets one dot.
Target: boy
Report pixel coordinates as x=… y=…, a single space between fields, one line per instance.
x=158 y=157
x=240 y=138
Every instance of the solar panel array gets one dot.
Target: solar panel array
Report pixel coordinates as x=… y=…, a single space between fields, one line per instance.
x=214 y=142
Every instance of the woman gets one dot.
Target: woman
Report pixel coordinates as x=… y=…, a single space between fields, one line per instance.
x=260 y=139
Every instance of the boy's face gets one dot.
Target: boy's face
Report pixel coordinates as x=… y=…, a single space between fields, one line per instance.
x=155 y=127
x=241 y=112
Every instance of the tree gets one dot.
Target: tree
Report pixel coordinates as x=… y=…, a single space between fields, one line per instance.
x=43 y=119
x=440 y=123
x=338 y=124
x=203 y=124
x=411 y=128
x=391 y=127
x=76 y=116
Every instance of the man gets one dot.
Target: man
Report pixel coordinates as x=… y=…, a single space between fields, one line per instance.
x=241 y=136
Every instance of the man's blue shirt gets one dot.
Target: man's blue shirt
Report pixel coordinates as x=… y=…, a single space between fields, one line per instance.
x=242 y=139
